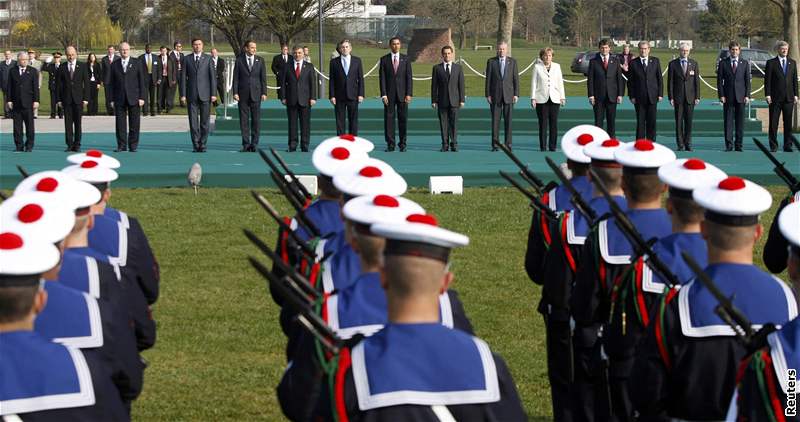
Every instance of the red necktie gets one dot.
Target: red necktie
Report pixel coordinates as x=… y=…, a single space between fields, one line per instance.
x=297 y=71
x=395 y=64
x=605 y=63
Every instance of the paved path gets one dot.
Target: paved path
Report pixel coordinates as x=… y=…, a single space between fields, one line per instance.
x=105 y=124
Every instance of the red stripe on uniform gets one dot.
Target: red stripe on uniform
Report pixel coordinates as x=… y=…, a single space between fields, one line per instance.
x=769 y=374
x=341 y=371
x=567 y=250
x=640 y=294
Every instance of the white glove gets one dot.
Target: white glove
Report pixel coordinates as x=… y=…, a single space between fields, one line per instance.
x=48 y=60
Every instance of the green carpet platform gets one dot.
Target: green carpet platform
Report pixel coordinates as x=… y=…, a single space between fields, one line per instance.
x=164 y=159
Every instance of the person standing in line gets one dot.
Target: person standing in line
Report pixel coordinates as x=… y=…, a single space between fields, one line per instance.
x=23 y=100
x=128 y=91
x=298 y=93
x=249 y=90
x=646 y=90
x=51 y=67
x=198 y=81
x=683 y=90
x=733 y=88
x=396 y=88
x=5 y=66
x=94 y=72
x=447 y=97
x=35 y=63
x=72 y=90
x=106 y=63
x=780 y=89
x=151 y=75
x=547 y=98
x=605 y=87
x=176 y=63
x=501 y=92
x=279 y=62
x=219 y=68
x=346 y=89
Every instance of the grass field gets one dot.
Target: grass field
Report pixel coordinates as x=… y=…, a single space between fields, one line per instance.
x=525 y=54
x=220 y=351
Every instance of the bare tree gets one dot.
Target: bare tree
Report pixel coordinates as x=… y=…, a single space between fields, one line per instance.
x=66 y=21
x=234 y=18
x=125 y=13
x=788 y=10
x=505 y=21
x=287 y=18
x=459 y=13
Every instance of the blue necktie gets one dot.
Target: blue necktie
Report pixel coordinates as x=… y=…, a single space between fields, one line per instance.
x=346 y=64
x=783 y=63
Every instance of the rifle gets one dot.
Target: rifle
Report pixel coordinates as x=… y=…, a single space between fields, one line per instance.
x=22 y=172
x=640 y=246
x=274 y=214
x=780 y=168
x=298 y=207
x=305 y=314
x=290 y=173
x=296 y=193
x=535 y=201
x=575 y=197
x=528 y=175
x=729 y=312
x=795 y=142
x=302 y=285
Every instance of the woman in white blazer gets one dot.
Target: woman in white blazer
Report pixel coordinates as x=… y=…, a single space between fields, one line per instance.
x=547 y=96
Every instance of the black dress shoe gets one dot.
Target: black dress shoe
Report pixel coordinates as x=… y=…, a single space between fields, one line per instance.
x=291 y=150
x=28 y=149
x=19 y=149
x=303 y=149
x=132 y=150
x=76 y=148
x=688 y=147
x=680 y=148
x=403 y=149
x=738 y=149
x=773 y=149
x=453 y=149
x=443 y=149
x=389 y=150
x=245 y=149
x=68 y=149
x=551 y=149
x=121 y=150
x=728 y=149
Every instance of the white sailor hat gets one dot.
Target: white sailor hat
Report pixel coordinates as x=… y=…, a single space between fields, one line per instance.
x=66 y=188
x=687 y=174
x=333 y=155
x=374 y=209
x=91 y=171
x=22 y=254
x=602 y=153
x=363 y=143
x=372 y=177
x=733 y=201
x=38 y=215
x=419 y=235
x=573 y=142
x=644 y=154
x=103 y=159
x=789 y=224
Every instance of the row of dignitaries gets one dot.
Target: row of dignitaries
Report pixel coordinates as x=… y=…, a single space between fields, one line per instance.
x=75 y=290
x=624 y=341
x=408 y=350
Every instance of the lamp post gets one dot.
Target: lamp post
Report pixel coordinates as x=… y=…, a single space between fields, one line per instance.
x=321 y=56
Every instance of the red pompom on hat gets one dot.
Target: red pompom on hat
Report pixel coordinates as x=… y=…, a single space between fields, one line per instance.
x=48 y=184
x=9 y=241
x=371 y=171
x=585 y=139
x=94 y=153
x=386 y=201
x=732 y=183
x=610 y=143
x=88 y=164
x=644 y=145
x=423 y=219
x=340 y=153
x=694 y=164
x=348 y=137
x=30 y=213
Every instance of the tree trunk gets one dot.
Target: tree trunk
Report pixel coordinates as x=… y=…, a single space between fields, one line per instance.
x=793 y=29
x=505 y=21
x=462 y=35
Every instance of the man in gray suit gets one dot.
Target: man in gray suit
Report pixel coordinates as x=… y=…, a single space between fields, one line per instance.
x=447 y=95
x=5 y=66
x=502 y=91
x=198 y=80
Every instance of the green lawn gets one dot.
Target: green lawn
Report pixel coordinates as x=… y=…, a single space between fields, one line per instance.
x=220 y=351
x=474 y=83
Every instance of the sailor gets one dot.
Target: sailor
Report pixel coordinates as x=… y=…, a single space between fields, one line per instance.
x=599 y=281
x=775 y=250
x=127 y=242
x=558 y=197
x=414 y=368
x=43 y=380
x=686 y=365
x=73 y=317
x=561 y=261
x=766 y=383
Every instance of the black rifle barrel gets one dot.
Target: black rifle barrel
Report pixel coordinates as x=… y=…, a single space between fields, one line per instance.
x=282 y=224
x=286 y=269
x=780 y=168
x=300 y=214
x=296 y=193
x=290 y=173
x=530 y=175
x=535 y=201
x=575 y=197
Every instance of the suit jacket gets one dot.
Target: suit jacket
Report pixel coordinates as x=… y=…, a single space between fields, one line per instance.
x=683 y=87
x=447 y=91
x=23 y=90
x=396 y=86
x=733 y=85
x=346 y=87
x=645 y=85
x=4 y=68
x=96 y=70
x=278 y=64
x=777 y=86
x=127 y=87
x=547 y=85
x=605 y=84
x=105 y=65
x=298 y=91
x=220 y=69
x=498 y=87
x=198 y=82
x=51 y=70
x=249 y=84
x=73 y=89
x=156 y=68
x=172 y=70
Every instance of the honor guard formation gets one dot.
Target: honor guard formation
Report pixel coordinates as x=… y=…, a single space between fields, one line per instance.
x=77 y=280
x=653 y=306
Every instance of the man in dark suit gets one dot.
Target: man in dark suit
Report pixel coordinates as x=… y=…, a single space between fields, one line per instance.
x=150 y=66
x=219 y=68
x=447 y=96
x=646 y=90
x=51 y=67
x=73 y=89
x=346 y=88
x=128 y=90
x=780 y=89
x=176 y=64
x=6 y=65
x=605 y=86
x=23 y=99
x=105 y=65
x=167 y=79
x=299 y=93
x=198 y=82
x=733 y=88
x=250 y=89
x=501 y=91
x=279 y=62
x=683 y=91
x=397 y=87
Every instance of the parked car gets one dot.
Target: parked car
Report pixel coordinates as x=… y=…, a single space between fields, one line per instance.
x=580 y=64
x=755 y=56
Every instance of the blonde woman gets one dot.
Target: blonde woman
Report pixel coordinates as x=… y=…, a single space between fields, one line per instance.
x=547 y=96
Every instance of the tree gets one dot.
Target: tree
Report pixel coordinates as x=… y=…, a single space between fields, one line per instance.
x=125 y=13
x=574 y=19
x=235 y=19
x=66 y=21
x=788 y=9
x=505 y=21
x=287 y=18
x=23 y=31
x=724 y=20
x=459 y=13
